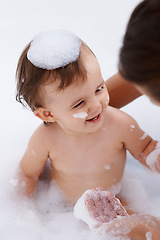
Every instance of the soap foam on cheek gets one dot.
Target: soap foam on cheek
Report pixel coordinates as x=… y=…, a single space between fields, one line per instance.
x=81 y=115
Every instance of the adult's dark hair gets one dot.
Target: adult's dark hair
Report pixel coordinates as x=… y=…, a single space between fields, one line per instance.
x=139 y=58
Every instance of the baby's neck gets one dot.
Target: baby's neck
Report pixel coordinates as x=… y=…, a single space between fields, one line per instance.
x=77 y=135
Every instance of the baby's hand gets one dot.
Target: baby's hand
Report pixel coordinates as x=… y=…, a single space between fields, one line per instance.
x=100 y=207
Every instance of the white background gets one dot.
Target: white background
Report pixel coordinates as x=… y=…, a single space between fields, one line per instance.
x=101 y=24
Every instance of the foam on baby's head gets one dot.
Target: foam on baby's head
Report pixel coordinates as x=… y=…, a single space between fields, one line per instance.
x=54 y=49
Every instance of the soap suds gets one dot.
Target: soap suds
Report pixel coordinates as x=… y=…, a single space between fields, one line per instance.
x=132 y=128
x=116 y=188
x=107 y=167
x=13 y=182
x=81 y=211
x=143 y=136
x=81 y=115
x=148 y=236
x=54 y=49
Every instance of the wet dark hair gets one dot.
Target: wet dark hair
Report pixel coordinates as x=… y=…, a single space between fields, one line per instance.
x=31 y=78
x=139 y=58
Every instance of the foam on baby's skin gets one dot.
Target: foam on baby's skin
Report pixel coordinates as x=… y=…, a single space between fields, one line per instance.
x=53 y=49
x=151 y=159
x=132 y=128
x=148 y=236
x=81 y=115
x=107 y=167
x=143 y=136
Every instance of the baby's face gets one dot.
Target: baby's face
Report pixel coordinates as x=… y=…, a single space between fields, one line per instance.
x=80 y=107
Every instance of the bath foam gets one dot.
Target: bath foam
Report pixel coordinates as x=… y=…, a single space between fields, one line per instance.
x=54 y=49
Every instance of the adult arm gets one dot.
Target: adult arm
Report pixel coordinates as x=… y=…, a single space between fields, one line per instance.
x=140 y=227
x=121 y=91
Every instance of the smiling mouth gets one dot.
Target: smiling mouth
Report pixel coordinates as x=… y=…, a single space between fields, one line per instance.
x=95 y=119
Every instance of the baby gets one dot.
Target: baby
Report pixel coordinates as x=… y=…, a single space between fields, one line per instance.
x=83 y=137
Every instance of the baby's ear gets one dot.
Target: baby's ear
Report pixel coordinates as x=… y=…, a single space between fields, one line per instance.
x=44 y=114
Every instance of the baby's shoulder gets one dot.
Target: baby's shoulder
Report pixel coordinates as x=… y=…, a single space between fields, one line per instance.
x=43 y=133
x=120 y=118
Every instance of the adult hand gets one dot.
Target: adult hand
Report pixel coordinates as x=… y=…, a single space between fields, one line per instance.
x=107 y=215
x=103 y=206
x=97 y=207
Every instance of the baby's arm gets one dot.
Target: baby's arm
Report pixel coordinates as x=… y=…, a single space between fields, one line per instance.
x=32 y=163
x=140 y=145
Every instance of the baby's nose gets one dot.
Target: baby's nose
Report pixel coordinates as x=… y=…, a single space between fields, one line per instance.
x=94 y=106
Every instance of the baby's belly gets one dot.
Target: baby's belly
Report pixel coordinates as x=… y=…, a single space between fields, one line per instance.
x=101 y=169
x=75 y=184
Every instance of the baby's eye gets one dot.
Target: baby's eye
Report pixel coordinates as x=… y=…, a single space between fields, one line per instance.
x=78 y=104
x=100 y=89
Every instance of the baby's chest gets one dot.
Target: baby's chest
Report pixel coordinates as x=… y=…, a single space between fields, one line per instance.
x=86 y=157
